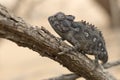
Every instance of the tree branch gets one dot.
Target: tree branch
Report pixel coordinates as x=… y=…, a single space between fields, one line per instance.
x=115 y=11
x=111 y=64
x=42 y=41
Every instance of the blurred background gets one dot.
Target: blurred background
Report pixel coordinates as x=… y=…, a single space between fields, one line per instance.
x=18 y=63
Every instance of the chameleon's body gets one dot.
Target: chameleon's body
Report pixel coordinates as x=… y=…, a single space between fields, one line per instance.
x=83 y=36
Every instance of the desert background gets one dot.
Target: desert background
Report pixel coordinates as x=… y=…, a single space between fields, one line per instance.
x=18 y=63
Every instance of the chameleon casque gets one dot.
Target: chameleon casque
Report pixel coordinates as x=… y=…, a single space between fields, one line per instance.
x=85 y=38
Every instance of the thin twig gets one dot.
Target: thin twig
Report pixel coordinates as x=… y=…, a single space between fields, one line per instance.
x=115 y=11
x=111 y=64
x=65 y=77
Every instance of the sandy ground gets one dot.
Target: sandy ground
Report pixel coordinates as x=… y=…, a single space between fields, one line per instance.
x=18 y=63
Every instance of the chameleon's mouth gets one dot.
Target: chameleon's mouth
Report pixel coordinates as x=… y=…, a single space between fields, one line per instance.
x=55 y=23
x=51 y=19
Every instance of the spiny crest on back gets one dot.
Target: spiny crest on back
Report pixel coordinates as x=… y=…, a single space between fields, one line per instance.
x=91 y=26
x=88 y=24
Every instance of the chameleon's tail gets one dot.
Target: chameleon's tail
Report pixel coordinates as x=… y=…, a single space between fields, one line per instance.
x=103 y=57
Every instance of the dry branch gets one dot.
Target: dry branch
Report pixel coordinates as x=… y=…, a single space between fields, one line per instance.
x=42 y=41
x=111 y=64
x=115 y=11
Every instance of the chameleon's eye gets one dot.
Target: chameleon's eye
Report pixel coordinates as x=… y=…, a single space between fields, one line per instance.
x=66 y=23
x=75 y=25
x=60 y=16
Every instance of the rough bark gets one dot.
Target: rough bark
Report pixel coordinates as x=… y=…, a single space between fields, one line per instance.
x=42 y=41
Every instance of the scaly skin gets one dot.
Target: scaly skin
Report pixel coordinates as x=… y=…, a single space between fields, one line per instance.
x=83 y=36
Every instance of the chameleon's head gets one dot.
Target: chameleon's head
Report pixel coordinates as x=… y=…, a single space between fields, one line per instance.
x=61 y=22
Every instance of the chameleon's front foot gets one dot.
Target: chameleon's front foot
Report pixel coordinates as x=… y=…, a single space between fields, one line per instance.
x=68 y=50
x=65 y=50
x=96 y=62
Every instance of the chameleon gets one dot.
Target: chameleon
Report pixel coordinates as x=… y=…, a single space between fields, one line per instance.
x=85 y=37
